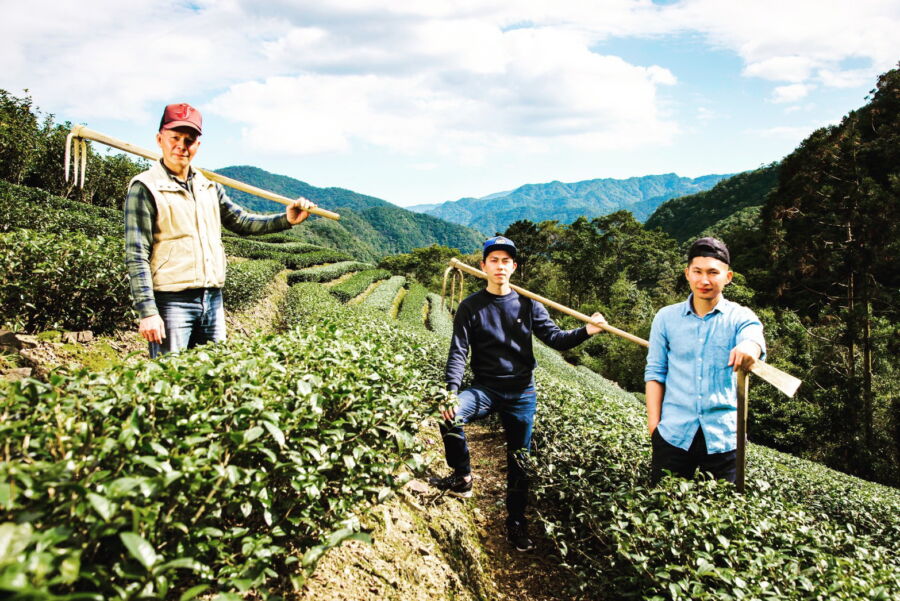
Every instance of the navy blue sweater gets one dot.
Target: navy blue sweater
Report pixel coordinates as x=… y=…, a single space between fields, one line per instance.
x=498 y=330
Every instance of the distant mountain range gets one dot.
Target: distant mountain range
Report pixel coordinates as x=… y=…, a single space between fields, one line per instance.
x=565 y=202
x=369 y=228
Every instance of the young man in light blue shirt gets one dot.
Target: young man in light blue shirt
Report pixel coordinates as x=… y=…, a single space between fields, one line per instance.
x=696 y=348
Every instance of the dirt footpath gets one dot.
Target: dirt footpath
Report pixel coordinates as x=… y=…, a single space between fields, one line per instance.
x=431 y=546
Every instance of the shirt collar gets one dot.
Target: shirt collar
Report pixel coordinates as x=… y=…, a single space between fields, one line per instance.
x=688 y=309
x=172 y=175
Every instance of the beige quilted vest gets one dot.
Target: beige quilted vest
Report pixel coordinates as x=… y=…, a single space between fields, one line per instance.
x=187 y=248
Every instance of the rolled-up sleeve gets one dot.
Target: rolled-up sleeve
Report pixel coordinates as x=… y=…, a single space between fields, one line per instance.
x=657 y=356
x=749 y=327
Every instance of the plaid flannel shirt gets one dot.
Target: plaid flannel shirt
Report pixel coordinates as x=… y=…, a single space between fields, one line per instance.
x=140 y=224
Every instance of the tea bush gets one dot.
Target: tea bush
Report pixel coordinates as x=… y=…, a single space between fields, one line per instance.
x=22 y=207
x=326 y=273
x=277 y=238
x=358 y=283
x=293 y=256
x=246 y=282
x=439 y=319
x=383 y=297
x=867 y=507
x=414 y=306
x=307 y=302
x=240 y=246
x=223 y=468
x=63 y=281
x=694 y=540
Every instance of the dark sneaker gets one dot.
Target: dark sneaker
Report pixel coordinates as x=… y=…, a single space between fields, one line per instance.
x=455 y=484
x=517 y=535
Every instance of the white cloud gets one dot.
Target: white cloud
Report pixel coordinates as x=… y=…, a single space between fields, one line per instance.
x=790 y=93
x=525 y=88
x=781 y=68
x=800 y=41
x=464 y=78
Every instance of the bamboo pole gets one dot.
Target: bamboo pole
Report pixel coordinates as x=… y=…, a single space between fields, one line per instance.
x=784 y=382
x=80 y=133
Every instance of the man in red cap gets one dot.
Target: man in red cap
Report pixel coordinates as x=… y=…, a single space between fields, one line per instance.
x=173 y=239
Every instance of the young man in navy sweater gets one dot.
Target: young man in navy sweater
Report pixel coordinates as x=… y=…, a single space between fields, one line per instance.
x=496 y=324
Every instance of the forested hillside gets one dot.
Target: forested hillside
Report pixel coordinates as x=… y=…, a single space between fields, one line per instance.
x=687 y=217
x=565 y=202
x=369 y=227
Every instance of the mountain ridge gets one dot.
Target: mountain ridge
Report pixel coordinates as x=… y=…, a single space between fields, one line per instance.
x=566 y=201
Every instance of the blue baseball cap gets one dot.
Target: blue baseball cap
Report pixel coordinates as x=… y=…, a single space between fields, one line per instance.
x=498 y=243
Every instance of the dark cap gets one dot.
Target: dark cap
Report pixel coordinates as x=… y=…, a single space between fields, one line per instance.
x=709 y=247
x=498 y=243
x=181 y=115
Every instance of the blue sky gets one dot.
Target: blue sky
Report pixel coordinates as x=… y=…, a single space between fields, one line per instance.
x=435 y=100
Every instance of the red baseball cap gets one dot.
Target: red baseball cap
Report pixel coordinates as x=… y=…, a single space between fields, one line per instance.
x=181 y=115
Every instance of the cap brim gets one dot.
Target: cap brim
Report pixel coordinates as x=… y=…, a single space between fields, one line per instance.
x=506 y=247
x=174 y=124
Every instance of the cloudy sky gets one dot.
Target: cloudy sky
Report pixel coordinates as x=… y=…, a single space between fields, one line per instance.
x=426 y=101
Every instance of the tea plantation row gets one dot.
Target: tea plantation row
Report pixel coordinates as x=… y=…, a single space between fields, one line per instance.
x=221 y=469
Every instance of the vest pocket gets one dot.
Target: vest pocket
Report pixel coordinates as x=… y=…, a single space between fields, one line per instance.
x=173 y=262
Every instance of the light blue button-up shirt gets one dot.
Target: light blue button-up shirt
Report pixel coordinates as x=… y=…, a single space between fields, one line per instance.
x=689 y=355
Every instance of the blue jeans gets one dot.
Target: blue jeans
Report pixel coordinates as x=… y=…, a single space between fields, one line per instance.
x=191 y=317
x=516 y=411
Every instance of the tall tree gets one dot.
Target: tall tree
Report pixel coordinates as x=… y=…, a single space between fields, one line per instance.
x=833 y=226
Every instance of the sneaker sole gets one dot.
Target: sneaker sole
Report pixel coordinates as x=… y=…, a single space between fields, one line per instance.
x=460 y=495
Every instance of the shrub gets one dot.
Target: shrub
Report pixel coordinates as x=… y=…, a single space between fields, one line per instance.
x=30 y=208
x=307 y=302
x=316 y=257
x=277 y=238
x=63 y=281
x=212 y=469
x=357 y=284
x=240 y=246
x=439 y=320
x=696 y=540
x=246 y=282
x=414 y=306
x=383 y=297
x=292 y=256
x=326 y=273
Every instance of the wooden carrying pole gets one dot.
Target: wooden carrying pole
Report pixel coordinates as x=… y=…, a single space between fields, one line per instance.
x=784 y=382
x=80 y=133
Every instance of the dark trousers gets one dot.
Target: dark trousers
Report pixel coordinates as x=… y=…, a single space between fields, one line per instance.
x=723 y=466
x=516 y=410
